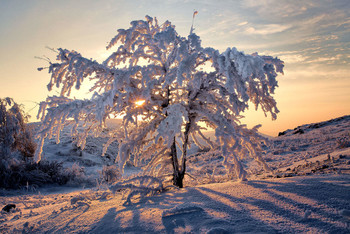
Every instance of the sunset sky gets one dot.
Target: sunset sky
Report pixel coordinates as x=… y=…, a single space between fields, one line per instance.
x=311 y=36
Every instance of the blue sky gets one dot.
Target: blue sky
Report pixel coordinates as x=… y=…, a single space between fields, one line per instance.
x=311 y=36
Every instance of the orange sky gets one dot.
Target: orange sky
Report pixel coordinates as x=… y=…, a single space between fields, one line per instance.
x=311 y=36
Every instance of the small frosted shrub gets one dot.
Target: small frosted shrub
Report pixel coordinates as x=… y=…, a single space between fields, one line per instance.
x=110 y=174
x=17 y=174
x=343 y=142
x=76 y=176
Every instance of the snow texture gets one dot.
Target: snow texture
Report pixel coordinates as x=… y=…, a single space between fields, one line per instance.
x=315 y=204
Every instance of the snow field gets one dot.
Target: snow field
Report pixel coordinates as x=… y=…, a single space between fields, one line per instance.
x=312 y=204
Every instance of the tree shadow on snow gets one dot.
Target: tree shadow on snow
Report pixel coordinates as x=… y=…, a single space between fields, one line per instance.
x=179 y=211
x=279 y=207
x=319 y=199
x=128 y=219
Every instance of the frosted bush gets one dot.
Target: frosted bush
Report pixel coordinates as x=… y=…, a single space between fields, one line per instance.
x=110 y=174
x=17 y=174
x=76 y=176
x=15 y=134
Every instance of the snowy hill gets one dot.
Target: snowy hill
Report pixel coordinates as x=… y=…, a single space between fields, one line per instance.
x=336 y=123
x=309 y=141
x=315 y=198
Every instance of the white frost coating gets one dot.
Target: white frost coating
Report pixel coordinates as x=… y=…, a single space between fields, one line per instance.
x=171 y=125
x=151 y=62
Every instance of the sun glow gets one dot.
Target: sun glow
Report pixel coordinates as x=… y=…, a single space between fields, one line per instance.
x=140 y=102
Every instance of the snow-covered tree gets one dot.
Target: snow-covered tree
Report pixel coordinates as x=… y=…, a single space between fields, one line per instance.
x=14 y=132
x=168 y=89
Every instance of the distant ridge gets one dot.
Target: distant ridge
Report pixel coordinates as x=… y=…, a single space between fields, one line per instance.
x=307 y=127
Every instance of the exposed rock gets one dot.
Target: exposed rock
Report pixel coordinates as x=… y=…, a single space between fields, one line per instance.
x=8 y=207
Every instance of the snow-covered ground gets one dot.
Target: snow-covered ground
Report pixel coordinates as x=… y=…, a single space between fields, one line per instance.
x=308 y=191
x=312 y=204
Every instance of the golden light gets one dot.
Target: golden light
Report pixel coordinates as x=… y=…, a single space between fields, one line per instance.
x=140 y=102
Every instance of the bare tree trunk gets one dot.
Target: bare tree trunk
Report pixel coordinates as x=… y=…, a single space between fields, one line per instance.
x=178 y=175
x=184 y=146
x=179 y=172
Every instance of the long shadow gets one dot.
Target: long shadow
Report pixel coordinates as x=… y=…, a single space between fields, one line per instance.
x=66 y=227
x=104 y=225
x=330 y=195
x=201 y=221
x=201 y=212
x=317 y=188
x=335 y=196
x=191 y=217
x=112 y=223
x=338 y=200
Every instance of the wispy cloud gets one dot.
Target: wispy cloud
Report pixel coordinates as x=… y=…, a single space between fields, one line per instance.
x=317 y=72
x=242 y=23
x=323 y=38
x=293 y=58
x=278 y=8
x=266 y=29
x=328 y=59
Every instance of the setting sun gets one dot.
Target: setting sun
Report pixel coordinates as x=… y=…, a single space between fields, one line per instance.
x=140 y=102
